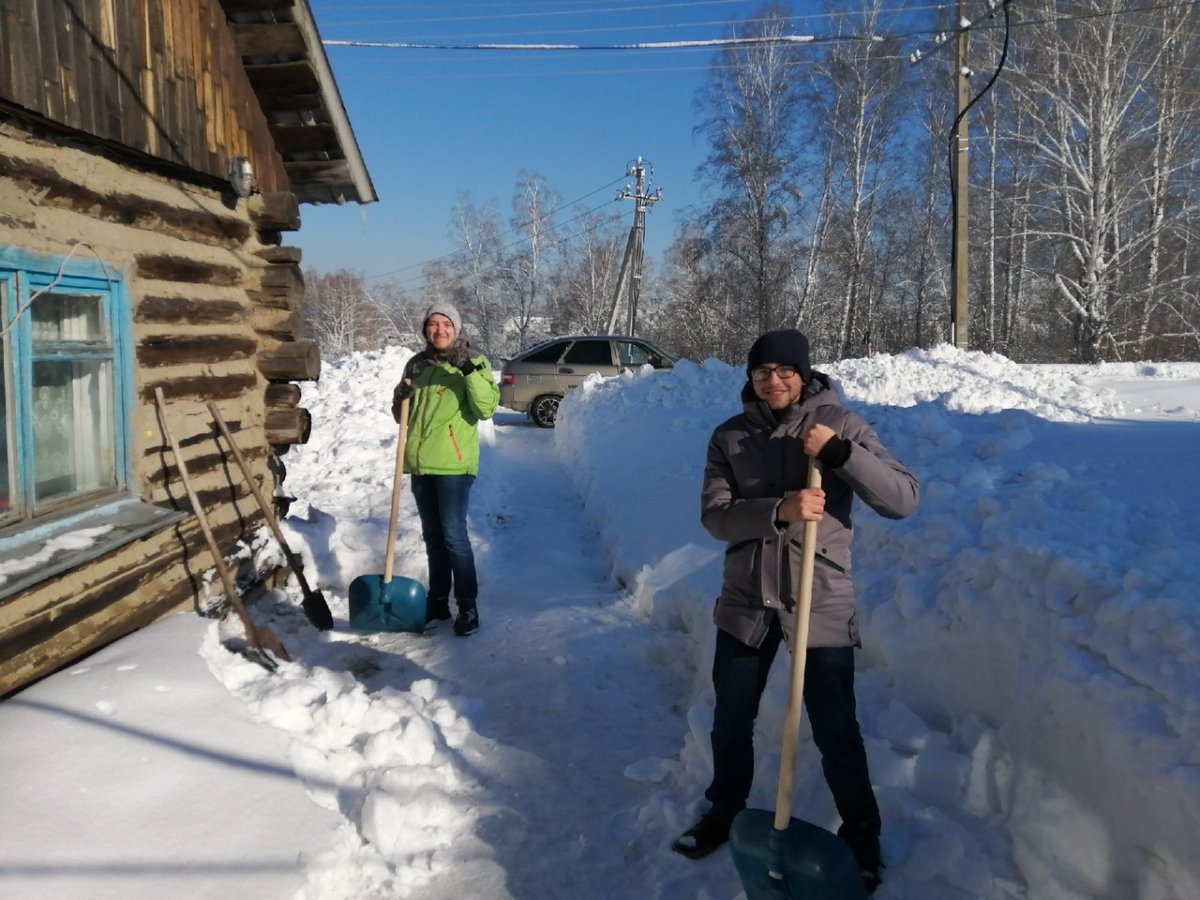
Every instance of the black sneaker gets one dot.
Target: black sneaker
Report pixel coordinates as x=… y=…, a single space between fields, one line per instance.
x=437 y=610
x=704 y=837
x=467 y=622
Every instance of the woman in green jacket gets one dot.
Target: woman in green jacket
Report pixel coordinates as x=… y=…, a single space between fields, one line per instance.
x=450 y=392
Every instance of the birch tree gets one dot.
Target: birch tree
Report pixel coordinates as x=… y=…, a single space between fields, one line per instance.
x=857 y=96
x=478 y=266
x=749 y=107
x=1086 y=83
x=341 y=315
x=526 y=267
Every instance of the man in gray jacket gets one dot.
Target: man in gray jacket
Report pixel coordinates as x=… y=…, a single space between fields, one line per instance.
x=756 y=500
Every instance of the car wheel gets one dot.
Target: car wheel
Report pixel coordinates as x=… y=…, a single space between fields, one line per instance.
x=544 y=410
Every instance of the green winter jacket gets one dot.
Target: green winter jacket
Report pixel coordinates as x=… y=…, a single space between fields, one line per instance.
x=445 y=409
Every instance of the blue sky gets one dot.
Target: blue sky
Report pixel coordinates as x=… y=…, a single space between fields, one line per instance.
x=433 y=124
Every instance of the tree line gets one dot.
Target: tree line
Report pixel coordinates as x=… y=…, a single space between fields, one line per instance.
x=829 y=173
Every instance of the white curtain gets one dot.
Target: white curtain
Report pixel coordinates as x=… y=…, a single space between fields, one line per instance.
x=72 y=402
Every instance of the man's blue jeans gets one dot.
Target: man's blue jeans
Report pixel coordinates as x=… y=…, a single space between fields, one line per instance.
x=739 y=676
x=442 y=505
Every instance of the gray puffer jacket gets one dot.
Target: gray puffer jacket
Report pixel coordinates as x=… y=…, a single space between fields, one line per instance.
x=754 y=460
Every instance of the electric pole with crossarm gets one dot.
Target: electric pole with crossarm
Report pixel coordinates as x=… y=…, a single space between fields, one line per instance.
x=629 y=280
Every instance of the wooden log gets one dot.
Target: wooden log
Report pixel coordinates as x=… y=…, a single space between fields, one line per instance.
x=323 y=171
x=57 y=191
x=190 y=271
x=238 y=6
x=280 y=254
x=291 y=361
x=279 y=286
x=288 y=426
x=189 y=311
x=268 y=39
x=212 y=387
x=284 y=394
x=277 y=79
x=308 y=138
x=278 y=211
x=280 y=324
x=174 y=350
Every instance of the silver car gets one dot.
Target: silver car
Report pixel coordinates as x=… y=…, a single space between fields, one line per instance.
x=536 y=379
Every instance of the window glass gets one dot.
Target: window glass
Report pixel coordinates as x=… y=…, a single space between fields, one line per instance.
x=72 y=428
x=551 y=353
x=62 y=379
x=589 y=353
x=67 y=317
x=632 y=354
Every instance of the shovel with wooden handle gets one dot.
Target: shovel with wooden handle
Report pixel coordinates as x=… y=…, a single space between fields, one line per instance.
x=776 y=855
x=258 y=641
x=384 y=603
x=314 y=604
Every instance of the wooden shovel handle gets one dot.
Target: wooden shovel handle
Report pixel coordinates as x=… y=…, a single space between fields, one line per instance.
x=263 y=504
x=235 y=600
x=397 y=480
x=791 y=720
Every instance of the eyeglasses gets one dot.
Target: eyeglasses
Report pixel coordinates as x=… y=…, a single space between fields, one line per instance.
x=764 y=373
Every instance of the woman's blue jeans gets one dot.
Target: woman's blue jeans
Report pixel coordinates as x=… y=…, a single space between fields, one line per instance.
x=739 y=676
x=442 y=505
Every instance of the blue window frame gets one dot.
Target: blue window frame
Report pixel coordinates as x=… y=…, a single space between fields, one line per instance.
x=66 y=396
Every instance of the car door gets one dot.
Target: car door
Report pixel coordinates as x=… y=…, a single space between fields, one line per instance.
x=583 y=357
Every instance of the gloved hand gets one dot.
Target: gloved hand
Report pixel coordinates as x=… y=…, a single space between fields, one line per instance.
x=459 y=356
x=835 y=452
x=403 y=391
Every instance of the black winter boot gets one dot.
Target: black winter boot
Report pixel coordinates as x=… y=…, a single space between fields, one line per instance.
x=865 y=848
x=467 y=621
x=704 y=837
x=437 y=609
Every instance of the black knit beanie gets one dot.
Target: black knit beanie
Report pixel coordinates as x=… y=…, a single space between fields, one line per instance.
x=786 y=347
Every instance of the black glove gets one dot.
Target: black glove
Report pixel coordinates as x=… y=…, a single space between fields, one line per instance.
x=459 y=356
x=835 y=452
x=403 y=391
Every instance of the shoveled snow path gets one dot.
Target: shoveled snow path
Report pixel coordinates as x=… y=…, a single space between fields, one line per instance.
x=557 y=643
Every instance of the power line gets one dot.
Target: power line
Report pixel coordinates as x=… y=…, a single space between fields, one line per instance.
x=518 y=227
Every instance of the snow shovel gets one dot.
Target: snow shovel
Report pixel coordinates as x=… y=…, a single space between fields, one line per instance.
x=383 y=603
x=776 y=855
x=258 y=642
x=314 y=604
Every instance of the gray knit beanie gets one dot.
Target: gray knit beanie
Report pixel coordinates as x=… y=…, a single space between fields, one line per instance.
x=446 y=309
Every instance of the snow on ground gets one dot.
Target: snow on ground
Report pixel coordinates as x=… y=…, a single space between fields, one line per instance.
x=1028 y=685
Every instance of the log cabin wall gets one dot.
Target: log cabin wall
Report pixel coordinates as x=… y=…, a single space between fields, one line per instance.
x=162 y=78
x=189 y=265
x=118 y=123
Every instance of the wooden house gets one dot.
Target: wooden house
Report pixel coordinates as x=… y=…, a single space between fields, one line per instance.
x=153 y=154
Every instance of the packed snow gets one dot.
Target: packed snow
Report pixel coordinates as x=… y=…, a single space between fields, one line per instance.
x=1028 y=685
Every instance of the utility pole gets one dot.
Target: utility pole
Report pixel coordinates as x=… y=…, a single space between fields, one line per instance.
x=629 y=279
x=960 y=319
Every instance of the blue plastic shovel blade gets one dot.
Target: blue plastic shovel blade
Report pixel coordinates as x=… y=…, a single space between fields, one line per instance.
x=814 y=864
x=396 y=605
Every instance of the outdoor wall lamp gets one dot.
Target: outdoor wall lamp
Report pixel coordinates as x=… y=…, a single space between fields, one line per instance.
x=241 y=176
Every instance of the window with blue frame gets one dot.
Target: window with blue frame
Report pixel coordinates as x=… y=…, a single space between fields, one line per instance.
x=66 y=387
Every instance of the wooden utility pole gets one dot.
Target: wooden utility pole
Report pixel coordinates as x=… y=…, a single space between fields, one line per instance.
x=960 y=319
x=629 y=279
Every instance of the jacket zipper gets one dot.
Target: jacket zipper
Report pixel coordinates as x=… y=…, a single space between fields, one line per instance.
x=454 y=441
